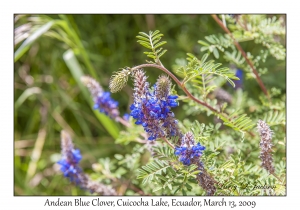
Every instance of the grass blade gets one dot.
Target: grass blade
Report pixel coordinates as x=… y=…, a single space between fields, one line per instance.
x=27 y=43
x=28 y=92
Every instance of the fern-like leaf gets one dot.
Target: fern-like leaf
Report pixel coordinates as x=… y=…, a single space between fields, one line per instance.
x=149 y=171
x=235 y=57
x=202 y=73
x=152 y=41
x=275 y=118
x=216 y=44
x=240 y=123
x=164 y=153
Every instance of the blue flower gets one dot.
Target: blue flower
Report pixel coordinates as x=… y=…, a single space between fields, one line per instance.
x=239 y=83
x=155 y=115
x=147 y=113
x=107 y=105
x=189 y=152
x=126 y=116
x=69 y=165
x=152 y=108
x=171 y=101
x=102 y=100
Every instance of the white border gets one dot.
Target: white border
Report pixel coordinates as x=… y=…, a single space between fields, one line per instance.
x=255 y=6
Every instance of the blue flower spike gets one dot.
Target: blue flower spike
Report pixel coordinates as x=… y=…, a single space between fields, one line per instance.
x=152 y=109
x=189 y=152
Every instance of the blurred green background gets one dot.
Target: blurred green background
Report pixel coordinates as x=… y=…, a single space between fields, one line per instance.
x=49 y=98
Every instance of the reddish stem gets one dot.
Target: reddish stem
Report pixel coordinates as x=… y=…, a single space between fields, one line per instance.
x=238 y=46
x=183 y=88
x=178 y=82
x=277 y=177
x=169 y=143
x=122 y=121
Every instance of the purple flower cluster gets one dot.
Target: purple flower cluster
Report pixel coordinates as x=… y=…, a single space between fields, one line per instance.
x=103 y=102
x=186 y=154
x=69 y=165
x=266 y=145
x=71 y=169
x=107 y=105
x=70 y=160
x=153 y=113
x=189 y=152
x=152 y=109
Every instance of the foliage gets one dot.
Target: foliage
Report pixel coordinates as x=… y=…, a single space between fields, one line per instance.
x=52 y=52
x=201 y=73
x=152 y=42
x=268 y=32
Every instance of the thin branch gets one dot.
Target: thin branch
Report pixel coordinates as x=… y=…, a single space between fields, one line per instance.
x=178 y=82
x=261 y=84
x=158 y=67
x=169 y=143
x=277 y=177
x=122 y=121
x=198 y=101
